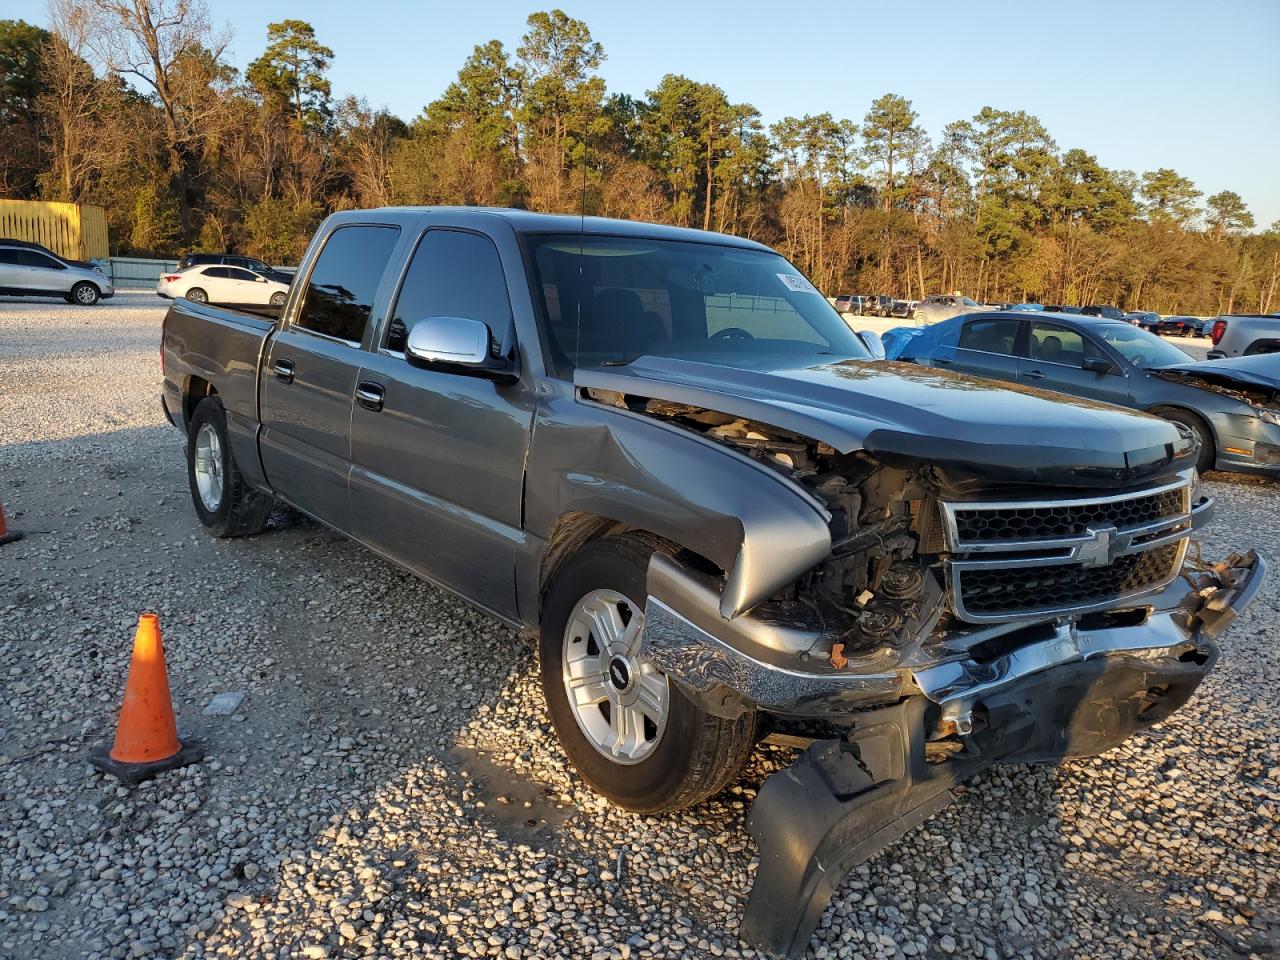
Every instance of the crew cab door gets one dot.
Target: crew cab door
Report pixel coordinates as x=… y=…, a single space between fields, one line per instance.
x=438 y=453
x=1055 y=359
x=310 y=370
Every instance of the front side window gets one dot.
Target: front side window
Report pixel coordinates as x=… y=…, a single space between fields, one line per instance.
x=33 y=258
x=237 y=274
x=990 y=336
x=344 y=280
x=217 y=273
x=609 y=300
x=1050 y=343
x=453 y=274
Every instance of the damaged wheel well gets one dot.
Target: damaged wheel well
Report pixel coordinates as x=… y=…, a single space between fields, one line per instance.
x=572 y=531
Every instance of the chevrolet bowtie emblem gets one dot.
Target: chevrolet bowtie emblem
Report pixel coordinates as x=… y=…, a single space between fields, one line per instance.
x=1105 y=544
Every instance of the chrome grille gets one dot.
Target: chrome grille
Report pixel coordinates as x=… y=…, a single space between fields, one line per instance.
x=1015 y=559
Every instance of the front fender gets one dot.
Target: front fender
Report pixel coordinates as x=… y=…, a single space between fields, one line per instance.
x=758 y=526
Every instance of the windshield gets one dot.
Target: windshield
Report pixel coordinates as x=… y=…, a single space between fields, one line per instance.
x=1142 y=349
x=609 y=300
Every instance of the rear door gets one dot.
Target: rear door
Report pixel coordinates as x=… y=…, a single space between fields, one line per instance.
x=438 y=455
x=987 y=347
x=310 y=371
x=1054 y=360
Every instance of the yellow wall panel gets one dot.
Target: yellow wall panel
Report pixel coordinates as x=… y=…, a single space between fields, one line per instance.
x=72 y=230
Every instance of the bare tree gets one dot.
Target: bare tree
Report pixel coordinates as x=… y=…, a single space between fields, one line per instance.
x=170 y=48
x=81 y=112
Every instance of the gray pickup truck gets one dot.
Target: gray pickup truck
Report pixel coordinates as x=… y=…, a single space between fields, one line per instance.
x=1244 y=335
x=664 y=455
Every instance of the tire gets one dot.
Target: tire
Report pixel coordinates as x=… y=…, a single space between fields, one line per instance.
x=198 y=295
x=85 y=294
x=1208 y=451
x=277 y=299
x=223 y=501
x=687 y=757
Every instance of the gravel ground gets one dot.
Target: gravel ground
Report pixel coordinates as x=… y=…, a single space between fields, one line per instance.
x=390 y=786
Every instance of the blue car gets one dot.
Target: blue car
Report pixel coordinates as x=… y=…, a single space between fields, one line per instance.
x=1027 y=308
x=1231 y=406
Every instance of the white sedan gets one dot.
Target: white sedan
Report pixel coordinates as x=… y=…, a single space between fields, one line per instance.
x=228 y=286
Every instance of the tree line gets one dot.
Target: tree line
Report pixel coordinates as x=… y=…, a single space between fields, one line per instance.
x=133 y=105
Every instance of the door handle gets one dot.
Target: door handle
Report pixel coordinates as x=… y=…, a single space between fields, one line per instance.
x=369 y=395
x=283 y=370
x=1034 y=375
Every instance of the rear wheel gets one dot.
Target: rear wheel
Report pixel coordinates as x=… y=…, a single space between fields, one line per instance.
x=198 y=295
x=277 y=299
x=85 y=294
x=626 y=727
x=224 y=502
x=1208 y=451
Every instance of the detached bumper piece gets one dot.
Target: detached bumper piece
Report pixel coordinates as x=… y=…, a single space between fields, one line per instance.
x=845 y=800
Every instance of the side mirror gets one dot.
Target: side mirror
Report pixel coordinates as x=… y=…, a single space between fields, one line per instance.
x=874 y=344
x=457 y=342
x=1098 y=365
x=260 y=279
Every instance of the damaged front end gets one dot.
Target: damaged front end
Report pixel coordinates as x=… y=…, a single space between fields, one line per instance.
x=955 y=624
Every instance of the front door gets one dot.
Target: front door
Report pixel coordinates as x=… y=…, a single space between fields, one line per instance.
x=1054 y=360
x=437 y=455
x=310 y=372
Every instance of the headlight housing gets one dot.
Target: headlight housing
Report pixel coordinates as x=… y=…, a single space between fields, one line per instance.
x=1268 y=415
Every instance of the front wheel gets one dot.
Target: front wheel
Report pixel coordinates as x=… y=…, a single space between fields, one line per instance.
x=224 y=502
x=1204 y=436
x=626 y=727
x=85 y=294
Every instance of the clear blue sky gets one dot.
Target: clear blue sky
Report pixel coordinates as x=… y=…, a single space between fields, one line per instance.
x=1140 y=83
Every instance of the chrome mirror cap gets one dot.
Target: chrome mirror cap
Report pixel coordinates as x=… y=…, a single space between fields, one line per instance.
x=871 y=340
x=449 y=340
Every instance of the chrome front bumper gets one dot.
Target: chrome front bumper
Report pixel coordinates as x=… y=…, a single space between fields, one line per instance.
x=783 y=666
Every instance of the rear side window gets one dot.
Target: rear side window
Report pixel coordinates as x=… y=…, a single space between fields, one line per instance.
x=990 y=336
x=452 y=274
x=344 y=281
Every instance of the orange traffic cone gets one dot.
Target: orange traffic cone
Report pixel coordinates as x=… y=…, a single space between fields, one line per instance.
x=147 y=735
x=7 y=535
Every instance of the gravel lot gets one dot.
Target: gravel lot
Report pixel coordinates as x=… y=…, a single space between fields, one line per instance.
x=390 y=786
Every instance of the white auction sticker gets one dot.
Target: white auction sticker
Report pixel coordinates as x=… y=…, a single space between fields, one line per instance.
x=796 y=284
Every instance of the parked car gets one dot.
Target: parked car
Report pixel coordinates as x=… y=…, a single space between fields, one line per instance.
x=1201 y=326
x=228 y=286
x=1027 y=308
x=939 y=307
x=662 y=453
x=1177 y=326
x=879 y=306
x=1061 y=308
x=1102 y=310
x=31 y=270
x=1232 y=407
x=1244 y=334
x=1146 y=319
x=849 y=303
x=234 y=260
x=902 y=308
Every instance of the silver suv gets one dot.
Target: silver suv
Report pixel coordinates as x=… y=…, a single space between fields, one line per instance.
x=30 y=270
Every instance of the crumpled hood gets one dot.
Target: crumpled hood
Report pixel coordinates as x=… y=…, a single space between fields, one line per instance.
x=1260 y=370
x=904 y=414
